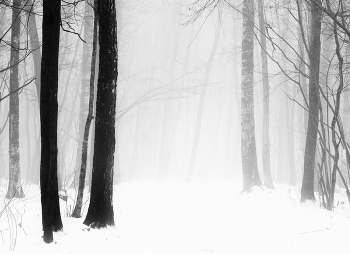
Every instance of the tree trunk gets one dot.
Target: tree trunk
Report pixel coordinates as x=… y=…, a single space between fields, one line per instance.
x=248 y=146
x=266 y=97
x=34 y=42
x=77 y=210
x=336 y=118
x=14 y=187
x=100 y=212
x=33 y=172
x=85 y=81
x=51 y=217
x=307 y=188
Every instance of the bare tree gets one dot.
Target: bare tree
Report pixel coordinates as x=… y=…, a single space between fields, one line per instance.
x=34 y=41
x=14 y=187
x=77 y=210
x=51 y=217
x=266 y=95
x=86 y=78
x=307 y=188
x=100 y=212
x=248 y=147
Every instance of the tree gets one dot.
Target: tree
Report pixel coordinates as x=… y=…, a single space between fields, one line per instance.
x=33 y=173
x=248 y=147
x=100 y=212
x=266 y=96
x=34 y=42
x=77 y=210
x=14 y=187
x=86 y=78
x=307 y=188
x=51 y=218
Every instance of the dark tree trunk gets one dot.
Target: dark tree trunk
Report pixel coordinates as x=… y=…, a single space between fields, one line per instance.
x=248 y=147
x=77 y=210
x=307 y=188
x=51 y=217
x=100 y=212
x=14 y=187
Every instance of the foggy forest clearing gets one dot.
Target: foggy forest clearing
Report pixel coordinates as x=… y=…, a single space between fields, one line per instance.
x=185 y=218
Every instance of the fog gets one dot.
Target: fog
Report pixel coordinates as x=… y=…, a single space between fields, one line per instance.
x=179 y=82
x=191 y=128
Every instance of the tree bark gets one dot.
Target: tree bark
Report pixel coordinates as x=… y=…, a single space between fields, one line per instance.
x=14 y=187
x=248 y=146
x=307 y=188
x=51 y=217
x=100 y=212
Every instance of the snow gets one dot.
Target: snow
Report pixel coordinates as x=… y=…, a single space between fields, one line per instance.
x=184 y=218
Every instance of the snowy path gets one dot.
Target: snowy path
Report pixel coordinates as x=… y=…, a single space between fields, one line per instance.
x=192 y=218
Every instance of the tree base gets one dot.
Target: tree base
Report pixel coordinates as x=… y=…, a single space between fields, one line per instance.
x=48 y=236
x=15 y=194
x=76 y=214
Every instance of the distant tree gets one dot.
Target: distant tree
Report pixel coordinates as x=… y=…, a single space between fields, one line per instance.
x=34 y=41
x=307 y=187
x=266 y=96
x=32 y=30
x=14 y=187
x=51 y=217
x=100 y=212
x=248 y=147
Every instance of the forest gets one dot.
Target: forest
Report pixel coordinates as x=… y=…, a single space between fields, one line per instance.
x=174 y=126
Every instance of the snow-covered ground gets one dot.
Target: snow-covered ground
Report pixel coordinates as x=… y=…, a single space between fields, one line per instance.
x=185 y=218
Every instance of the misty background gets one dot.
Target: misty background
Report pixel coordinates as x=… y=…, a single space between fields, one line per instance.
x=178 y=84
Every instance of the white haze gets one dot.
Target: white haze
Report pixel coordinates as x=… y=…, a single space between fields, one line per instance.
x=171 y=216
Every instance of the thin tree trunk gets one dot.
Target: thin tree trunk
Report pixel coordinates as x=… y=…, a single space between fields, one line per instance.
x=28 y=133
x=307 y=188
x=34 y=42
x=77 y=210
x=335 y=139
x=266 y=97
x=86 y=78
x=14 y=187
x=248 y=147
